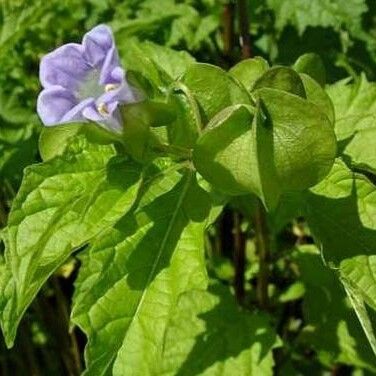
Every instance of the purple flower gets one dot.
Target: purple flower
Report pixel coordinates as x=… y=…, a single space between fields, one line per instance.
x=84 y=82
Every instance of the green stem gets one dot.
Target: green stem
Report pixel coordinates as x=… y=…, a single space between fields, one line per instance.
x=263 y=250
x=239 y=259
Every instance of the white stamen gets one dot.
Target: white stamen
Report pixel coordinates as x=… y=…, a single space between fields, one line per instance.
x=102 y=109
x=110 y=87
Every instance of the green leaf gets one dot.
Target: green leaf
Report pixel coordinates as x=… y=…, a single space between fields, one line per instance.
x=54 y=140
x=131 y=277
x=61 y=205
x=312 y=65
x=355 y=106
x=158 y=64
x=316 y=94
x=331 y=326
x=174 y=63
x=213 y=88
x=249 y=70
x=360 y=271
x=283 y=79
x=324 y=13
x=210 y=335
x=359 y=306
x=341 y=212
x=361 y=149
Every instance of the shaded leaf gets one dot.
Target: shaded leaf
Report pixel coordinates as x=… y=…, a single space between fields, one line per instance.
x=210 y=335
x=341 y=211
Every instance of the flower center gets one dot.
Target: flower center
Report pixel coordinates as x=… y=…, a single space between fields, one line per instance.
x=89 y=87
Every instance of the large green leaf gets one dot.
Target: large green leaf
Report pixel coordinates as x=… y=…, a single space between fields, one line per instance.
x=341 y=212
x=131 y=277
x=361 y=149
x=210 y=335
x=60 y=206
x=355 y=106
x=331 y=326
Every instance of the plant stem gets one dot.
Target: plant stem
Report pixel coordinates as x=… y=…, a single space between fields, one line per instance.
x=245 y=38
x=263 y=250
x=70 y=342
x=239 y=239
x=228 y=29
x=3 y=215
x=239 y=259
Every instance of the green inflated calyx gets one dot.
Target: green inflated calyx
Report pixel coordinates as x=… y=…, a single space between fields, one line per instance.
x=214 y=89
x=249 y=70
x=312 y=65
x=268 y=150
x=281 y=78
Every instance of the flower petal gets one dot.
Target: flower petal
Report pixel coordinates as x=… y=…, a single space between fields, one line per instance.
x=123 y=94
x=65 y=66
x=117 y=75
x=110 y=63
x=53 y=103
x=111 y=121
x=76 y=113
x=96 y=44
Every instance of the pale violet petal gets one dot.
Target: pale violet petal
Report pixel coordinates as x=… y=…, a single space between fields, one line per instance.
x=65 y=66
x=76 y=113
x=96 y=44
x=53 y=103
x=110 y=63
x=111 y=121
